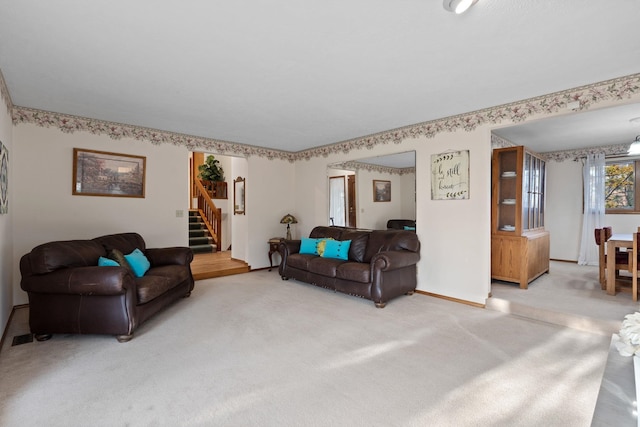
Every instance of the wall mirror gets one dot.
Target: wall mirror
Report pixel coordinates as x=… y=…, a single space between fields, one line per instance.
x=238 y=196
x=350 y=183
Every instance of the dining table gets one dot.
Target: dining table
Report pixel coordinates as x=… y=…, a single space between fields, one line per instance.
x=616 y=241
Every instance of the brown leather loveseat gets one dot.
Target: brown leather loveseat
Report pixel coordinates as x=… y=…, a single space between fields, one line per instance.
x=70 y=294
x=380 y=264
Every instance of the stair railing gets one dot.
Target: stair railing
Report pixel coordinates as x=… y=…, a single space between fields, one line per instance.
x=211 y=215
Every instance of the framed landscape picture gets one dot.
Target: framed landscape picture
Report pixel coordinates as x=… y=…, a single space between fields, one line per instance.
x=99 y=173
x=381 y=191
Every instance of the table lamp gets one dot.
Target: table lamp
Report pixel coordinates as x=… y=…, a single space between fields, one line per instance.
x=288 y=219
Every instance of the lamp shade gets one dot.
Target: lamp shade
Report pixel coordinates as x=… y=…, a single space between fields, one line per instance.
x=288 y=219
x=458 y=6
x=634 y=148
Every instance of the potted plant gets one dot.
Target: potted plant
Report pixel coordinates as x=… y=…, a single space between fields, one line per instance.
x=211 y=173
x=211 y=170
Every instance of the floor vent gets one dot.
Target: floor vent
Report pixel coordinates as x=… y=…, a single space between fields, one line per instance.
x=22 y=339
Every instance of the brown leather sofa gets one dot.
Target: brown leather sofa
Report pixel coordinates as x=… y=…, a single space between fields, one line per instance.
x=70 y=294
x=381 y=264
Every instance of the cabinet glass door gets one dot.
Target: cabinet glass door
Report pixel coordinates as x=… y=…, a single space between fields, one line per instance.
x=533 y=185
x=507 y=190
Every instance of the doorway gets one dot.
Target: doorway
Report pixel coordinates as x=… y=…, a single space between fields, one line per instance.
x=342 y=200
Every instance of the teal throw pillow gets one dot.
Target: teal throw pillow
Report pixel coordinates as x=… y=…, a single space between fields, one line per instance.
x=309 y=246
x=138 y=262
x=106 y=262
x=337 y=249
x=406 y=227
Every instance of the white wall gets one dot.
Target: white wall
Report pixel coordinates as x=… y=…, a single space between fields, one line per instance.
x=408 y=187
x=270 y=196
x=46 y=210
x=6 y=220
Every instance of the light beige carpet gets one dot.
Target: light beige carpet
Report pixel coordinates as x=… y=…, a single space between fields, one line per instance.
x=570 y=295
x=253 y=350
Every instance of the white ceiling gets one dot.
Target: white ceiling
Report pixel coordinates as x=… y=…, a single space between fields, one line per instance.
x=296 y=74
x=607 y=126
x=406 y=159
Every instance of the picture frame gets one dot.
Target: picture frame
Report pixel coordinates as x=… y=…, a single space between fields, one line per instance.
x=381 y=191
x=238 y=196
x=101 y=173
x=450 y=175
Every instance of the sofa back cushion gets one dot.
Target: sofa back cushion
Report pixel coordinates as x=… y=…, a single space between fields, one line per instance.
x=358 y=246
x=124 y=242
x=52 y=256
x=391 y=240
x=326 y=232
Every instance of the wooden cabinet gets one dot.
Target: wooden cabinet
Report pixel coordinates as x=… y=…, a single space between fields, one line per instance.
x=519 y=242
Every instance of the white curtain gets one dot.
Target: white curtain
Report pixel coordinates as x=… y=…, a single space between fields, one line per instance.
x=593 y=177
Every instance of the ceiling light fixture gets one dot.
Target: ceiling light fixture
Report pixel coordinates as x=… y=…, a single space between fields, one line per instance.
x=634 y=148
x=458 y=6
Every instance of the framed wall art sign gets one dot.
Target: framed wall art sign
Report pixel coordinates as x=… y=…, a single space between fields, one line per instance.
x=450 y=175
x=381 y=191
x=99 y=173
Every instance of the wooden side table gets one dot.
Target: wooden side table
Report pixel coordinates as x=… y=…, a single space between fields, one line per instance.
x=273 y=248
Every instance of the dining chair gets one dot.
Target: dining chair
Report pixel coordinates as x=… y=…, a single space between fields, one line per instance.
x=623 y=259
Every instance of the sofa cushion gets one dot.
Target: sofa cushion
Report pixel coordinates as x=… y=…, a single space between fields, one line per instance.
x=159 y=280
x=324 y=266
x=336 y=249
x=355 y=271
x=52 y=256
x=326 y=232
x=358 y=246
x=124 y=242
x=300 y=261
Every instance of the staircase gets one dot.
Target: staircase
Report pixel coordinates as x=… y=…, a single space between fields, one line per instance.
x=199 y=239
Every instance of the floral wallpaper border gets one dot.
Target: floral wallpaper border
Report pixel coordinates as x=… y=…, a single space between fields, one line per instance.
x=373 y=168
x=586 y=96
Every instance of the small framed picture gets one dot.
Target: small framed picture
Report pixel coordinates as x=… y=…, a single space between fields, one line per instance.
x=381 y=191
x=98 y=173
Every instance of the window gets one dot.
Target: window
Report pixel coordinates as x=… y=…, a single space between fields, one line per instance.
x=621 y=186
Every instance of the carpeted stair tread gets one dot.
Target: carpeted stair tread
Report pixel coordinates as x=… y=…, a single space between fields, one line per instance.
x=199 y=249
x=196 y=226
x=204 y=240
x=198 y=233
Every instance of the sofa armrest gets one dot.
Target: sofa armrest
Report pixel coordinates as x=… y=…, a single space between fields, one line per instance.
x=92 y=280
x=392 y=260
x=179 y=255
x=288 y=247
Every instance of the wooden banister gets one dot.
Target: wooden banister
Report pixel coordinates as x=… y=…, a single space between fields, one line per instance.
x=211 y=215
